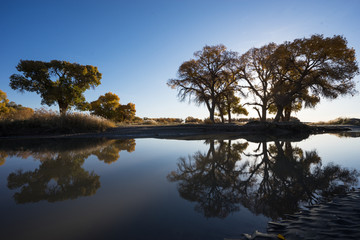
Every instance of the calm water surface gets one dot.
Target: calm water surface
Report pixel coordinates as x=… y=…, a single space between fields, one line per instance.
x=165 y=189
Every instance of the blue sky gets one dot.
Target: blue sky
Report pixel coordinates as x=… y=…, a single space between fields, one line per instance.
x=139 y=45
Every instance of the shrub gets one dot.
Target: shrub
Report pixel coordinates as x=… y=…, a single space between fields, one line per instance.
x=193 y=120
x=208 y=121
x=162 y=120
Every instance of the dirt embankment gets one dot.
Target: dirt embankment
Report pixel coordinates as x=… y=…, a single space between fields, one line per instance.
x=253 y=131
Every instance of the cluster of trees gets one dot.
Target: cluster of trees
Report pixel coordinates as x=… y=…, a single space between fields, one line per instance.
x=280 y=79
x=64 y=83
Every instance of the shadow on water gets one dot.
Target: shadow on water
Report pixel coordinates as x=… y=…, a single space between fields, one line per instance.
x=275 y=179
x=60 y=175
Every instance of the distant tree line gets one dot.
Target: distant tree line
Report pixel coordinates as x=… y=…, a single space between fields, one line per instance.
x=279 y=79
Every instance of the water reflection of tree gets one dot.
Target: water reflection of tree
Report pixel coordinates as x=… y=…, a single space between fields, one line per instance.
x=61 y=175
x=211 y=179
x=111 y=152
x=289 y=176
x=58 y=178
x=351 y=134
x=275 y=181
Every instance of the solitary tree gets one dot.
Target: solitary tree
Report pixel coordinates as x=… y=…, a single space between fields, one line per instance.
x=203 y=79
x=312 y=67
x=58 y=82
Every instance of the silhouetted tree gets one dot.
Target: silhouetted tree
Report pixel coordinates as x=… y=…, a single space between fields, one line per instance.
x=228 y=104
x=257 y=68
x=308 y=68
x=206 y=78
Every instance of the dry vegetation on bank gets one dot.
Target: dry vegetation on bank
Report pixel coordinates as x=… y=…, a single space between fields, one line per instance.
x=341 y=121
x=48 y=122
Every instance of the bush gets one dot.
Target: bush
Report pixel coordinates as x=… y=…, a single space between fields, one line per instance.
x=149 y=122
x=193 y=120
x=162 y=120
x=208 y=121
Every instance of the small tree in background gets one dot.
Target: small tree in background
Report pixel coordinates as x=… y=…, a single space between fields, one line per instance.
x=108 y=106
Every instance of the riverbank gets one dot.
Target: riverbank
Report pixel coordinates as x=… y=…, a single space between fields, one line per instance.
x=253 y=131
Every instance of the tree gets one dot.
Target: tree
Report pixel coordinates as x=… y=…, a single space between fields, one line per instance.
x=230 y=104
x=308 y=68
x=11 y=110
x=125 y=112
x=108 y=106
x=3 y=103
x=58 y=82
x=105 y=106
x=257 y=71
x=203 y=79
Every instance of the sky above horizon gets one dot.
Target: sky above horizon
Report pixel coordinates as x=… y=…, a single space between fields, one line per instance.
x=139 y=45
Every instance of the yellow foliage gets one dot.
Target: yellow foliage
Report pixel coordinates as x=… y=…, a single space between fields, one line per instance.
x=3 y=156
x=281 y=237
x=13 y=111
x=108 y=106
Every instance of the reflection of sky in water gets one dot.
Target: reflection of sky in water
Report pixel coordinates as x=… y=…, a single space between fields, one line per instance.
x=136 y=200
x=344 y=150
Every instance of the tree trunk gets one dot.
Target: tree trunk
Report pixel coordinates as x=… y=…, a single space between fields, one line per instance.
x=278 y=113
x=211 y=110
x=229 y=115
x=287 y=114
x=221 y=114
x=63 y=107
x=212 y=113
x=263 y=113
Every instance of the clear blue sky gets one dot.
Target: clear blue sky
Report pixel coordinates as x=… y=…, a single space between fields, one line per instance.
x=139 y=45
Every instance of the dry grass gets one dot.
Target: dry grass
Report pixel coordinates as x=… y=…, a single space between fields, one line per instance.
x=44 y=122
